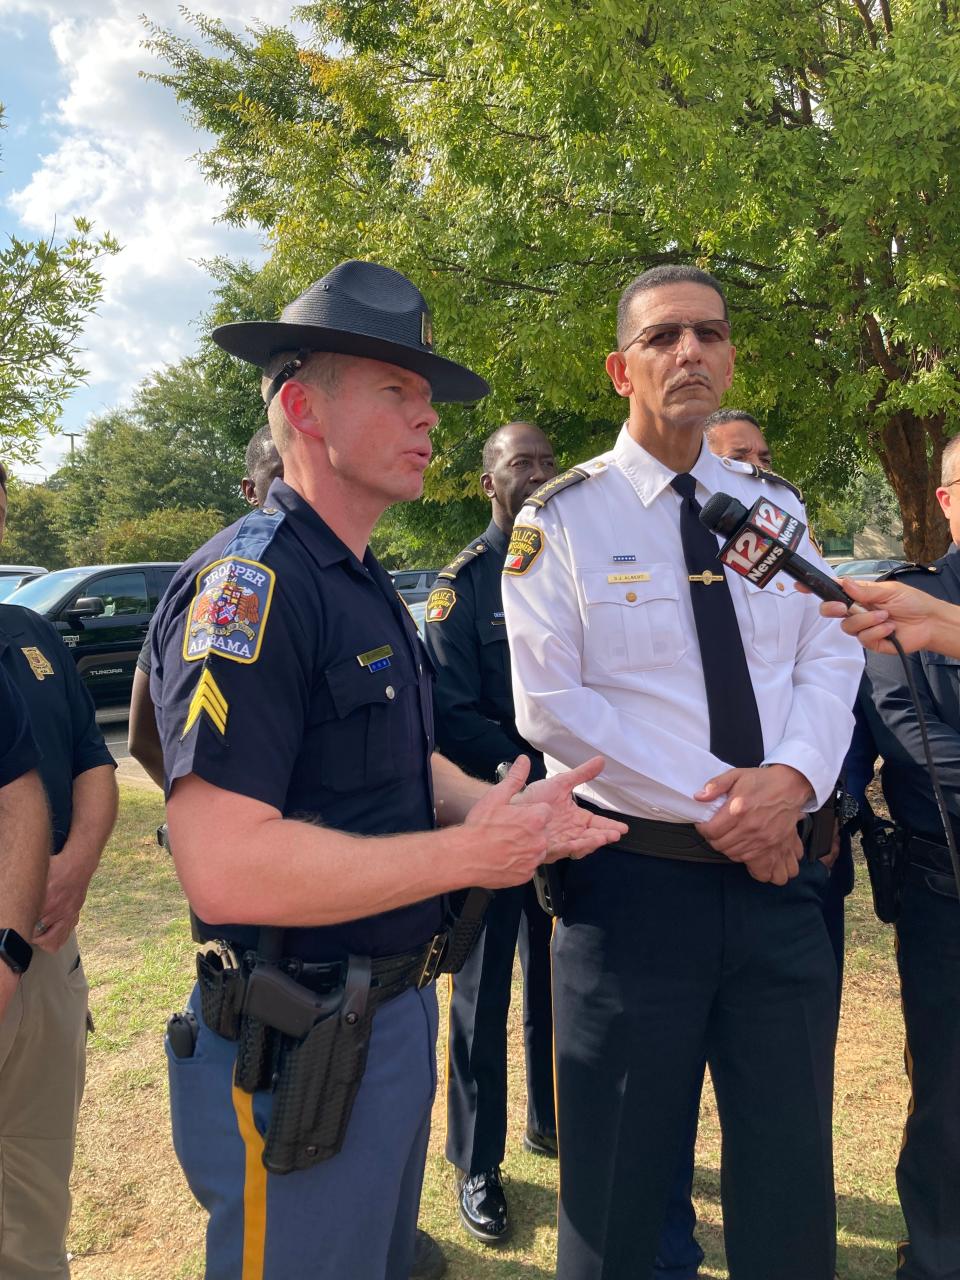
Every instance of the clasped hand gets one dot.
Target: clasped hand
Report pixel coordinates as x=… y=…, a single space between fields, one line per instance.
x=757 y=824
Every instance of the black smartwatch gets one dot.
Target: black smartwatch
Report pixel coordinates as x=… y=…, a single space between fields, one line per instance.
x=15 y=951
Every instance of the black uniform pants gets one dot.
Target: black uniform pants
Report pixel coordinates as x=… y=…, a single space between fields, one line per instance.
x=928 y=1172
x=658 y=964
x=477 y=1037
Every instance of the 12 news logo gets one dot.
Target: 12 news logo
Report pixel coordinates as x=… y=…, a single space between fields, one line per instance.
x=767 y=536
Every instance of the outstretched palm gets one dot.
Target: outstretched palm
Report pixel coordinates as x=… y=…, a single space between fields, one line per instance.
x=572 y=832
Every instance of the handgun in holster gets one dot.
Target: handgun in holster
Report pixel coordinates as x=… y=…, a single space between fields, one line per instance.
x=885 y=853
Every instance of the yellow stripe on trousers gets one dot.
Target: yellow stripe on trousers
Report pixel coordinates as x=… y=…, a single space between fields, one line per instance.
x=254 y=1188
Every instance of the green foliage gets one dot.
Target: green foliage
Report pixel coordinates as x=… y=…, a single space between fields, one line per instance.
x=32 y=535
x=523 y=160
x=48 y=288
x=171 y=534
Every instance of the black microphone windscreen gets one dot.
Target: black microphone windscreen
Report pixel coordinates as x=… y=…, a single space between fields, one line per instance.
x=723 y=514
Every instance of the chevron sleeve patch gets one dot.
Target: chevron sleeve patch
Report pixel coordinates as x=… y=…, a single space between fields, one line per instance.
x=207 y=698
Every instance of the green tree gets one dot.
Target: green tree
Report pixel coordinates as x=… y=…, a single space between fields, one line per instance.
x=522 y=160
x=32 y=535
x=48 y=289
x=170 y=534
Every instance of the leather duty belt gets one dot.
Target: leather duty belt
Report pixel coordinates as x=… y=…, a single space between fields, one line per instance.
x=684 y=843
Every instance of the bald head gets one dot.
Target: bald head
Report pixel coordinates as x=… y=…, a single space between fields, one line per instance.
x=517 y=460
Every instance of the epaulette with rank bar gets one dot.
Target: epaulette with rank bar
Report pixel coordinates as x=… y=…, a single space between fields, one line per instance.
x=759 y=473
x=557 y=485
x=901 y=569
x=451 y=570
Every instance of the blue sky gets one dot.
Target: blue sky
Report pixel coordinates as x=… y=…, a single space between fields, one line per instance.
x=86 y=135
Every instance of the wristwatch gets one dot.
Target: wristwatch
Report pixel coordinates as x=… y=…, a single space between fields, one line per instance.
x=15 y=951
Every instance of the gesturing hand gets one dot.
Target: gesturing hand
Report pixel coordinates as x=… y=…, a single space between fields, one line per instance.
x=572 y=832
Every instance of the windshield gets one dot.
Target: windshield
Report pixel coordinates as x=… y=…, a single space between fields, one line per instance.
x=9 y=582
x=43 y=593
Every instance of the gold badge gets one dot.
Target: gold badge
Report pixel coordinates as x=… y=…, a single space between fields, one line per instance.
x=40 y=667
x=526 y=543
x=440 y=604
x=706 y=577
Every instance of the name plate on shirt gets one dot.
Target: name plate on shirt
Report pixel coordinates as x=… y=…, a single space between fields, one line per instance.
x=376 y=659
x=628 y=577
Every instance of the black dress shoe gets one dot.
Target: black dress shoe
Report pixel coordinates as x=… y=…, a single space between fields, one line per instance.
x=428 y=1260
x=483 y=1206
x=540 y=1144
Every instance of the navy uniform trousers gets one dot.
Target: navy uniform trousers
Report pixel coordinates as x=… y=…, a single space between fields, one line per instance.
x=352 y=1217
x=928 y=1172
x=477 y=1038
x=658 y=964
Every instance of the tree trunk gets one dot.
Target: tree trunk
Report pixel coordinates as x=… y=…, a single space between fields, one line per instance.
x=910 y=449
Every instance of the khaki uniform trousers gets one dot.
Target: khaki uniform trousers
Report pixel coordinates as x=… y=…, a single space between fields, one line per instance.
x=42 y=1062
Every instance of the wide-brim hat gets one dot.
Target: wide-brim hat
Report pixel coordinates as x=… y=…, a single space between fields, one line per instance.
x=357 y=309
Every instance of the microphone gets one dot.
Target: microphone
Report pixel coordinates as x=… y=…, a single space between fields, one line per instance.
x=762 y=542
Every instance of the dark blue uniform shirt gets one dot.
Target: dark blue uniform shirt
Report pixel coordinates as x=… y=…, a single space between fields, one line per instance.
x=285 y=669
x=60 y=708
x=467 y=640
x=18 y=751
x=889 y=712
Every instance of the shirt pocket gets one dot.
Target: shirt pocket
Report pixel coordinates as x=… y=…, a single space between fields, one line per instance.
x=775 y=618
x=632 y=625
x=494 y=660
x=368 y=739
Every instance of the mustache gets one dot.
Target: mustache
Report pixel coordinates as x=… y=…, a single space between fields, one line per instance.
x=687 y=380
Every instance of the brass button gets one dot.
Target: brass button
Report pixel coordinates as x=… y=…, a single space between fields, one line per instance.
x=390 y=692
x=631 y=596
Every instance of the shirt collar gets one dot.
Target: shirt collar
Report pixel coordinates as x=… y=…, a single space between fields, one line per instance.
x=312 y=530
x=650 y=477
x=495 y=538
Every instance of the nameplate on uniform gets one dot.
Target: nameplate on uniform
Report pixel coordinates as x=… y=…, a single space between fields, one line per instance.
x=39 y=665
x=376 y=659
x=229 y=611
x=526 y=543
x=628 y=577
x=440 y=602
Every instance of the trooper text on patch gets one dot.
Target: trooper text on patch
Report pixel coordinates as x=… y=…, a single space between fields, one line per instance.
x=229 y=612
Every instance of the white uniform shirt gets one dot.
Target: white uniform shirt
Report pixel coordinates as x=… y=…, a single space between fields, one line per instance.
x=606 y=665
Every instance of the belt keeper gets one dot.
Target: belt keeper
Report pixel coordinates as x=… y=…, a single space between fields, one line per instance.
x=438 y=949
x=356 y=988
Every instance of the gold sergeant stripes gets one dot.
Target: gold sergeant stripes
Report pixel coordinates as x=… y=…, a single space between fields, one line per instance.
x=207 y=697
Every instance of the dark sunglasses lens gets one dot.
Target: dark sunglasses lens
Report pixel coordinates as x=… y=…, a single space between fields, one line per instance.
x=711 y=332
x=664 y=335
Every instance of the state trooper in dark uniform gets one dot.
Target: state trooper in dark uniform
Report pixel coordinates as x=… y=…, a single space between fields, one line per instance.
x=928 y=926
x=467 y=640
x=294 y=705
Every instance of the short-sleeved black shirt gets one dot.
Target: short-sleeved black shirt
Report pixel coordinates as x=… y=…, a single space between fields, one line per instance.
x=284 y=669
x=61 y=710
x=18 y=751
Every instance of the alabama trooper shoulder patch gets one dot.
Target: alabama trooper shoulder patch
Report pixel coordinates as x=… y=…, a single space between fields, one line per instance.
x=229 y=611
x=440 y=604
x=39 y=665
x=526 y=543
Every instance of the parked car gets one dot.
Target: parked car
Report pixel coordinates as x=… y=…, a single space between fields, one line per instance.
x=418 y=611
x=102 y=612
x=15 y=575
x=869 y=570
x=413 y=584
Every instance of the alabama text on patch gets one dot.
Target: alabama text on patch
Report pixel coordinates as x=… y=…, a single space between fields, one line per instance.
x=229 y=611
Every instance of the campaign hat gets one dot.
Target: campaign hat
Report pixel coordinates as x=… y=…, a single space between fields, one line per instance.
x=357 y=309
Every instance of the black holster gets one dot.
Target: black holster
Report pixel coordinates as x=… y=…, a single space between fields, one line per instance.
x=319 y=1074
x=885 y=853
x=465 y=916
x=548 y=885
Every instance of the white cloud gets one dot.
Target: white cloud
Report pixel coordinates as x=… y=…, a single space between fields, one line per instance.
x=122 y=156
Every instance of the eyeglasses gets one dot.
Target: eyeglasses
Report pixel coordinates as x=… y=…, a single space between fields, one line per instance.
x=950 y=482
x=664 y=337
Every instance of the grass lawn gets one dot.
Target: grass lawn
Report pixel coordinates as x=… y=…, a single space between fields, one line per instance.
x=134 y=1218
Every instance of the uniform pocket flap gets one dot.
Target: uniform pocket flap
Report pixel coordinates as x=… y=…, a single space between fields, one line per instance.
x=630 y=587
x=352 y=686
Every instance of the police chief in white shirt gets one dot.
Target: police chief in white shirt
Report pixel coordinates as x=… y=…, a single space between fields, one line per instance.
x=701 y=934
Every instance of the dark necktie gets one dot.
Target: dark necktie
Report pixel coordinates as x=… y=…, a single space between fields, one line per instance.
x=735 y=733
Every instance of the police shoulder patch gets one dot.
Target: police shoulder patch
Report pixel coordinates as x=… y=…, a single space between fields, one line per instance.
x=557 y=485
x=440 y=604
x=526 y=543
x=229 y=611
